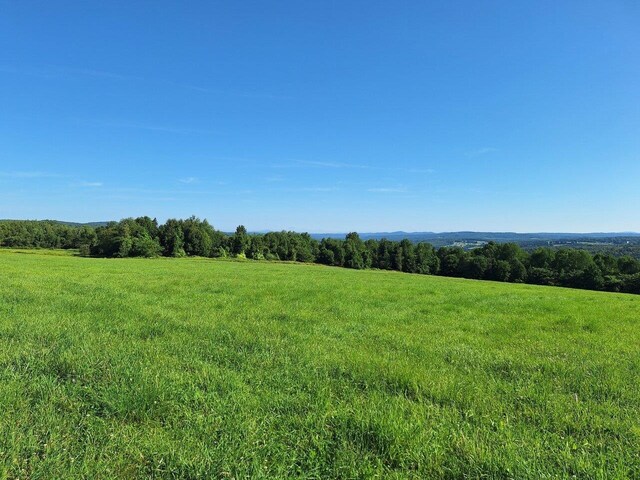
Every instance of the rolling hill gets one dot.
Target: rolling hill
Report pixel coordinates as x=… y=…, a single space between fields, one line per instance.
x=199 y=368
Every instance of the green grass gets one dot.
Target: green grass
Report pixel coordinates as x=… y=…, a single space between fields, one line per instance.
x=197 y=368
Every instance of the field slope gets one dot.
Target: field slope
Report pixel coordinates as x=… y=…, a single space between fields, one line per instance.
x=196 y=368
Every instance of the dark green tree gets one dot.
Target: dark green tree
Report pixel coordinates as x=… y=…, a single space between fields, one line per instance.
x=355 y=253
x=240 y=241
x=172 y=238
x=427 y=261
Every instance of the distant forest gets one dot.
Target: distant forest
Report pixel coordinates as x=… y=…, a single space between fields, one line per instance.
x=504 y=262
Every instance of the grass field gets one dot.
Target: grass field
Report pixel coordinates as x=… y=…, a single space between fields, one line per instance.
x=197 y=368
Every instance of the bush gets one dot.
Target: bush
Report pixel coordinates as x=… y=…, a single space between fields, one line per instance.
x=612 y=283
x=145 y=246
x=219 y=252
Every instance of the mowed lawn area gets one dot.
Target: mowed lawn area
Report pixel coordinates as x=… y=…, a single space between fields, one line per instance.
x=200 y=368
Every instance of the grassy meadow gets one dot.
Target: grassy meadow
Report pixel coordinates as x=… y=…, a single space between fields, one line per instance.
x=198 y=368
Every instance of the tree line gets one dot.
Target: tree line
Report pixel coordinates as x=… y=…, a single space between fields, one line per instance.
x=504 y=262
x=44 y=234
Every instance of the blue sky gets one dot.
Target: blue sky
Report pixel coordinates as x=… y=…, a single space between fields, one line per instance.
x=324 y=116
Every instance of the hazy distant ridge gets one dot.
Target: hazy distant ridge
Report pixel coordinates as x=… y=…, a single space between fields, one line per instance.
x=481 y=236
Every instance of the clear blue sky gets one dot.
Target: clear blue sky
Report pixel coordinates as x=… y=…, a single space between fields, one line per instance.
x=324 y=116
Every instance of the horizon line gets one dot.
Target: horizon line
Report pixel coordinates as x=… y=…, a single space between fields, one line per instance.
x=372 y=232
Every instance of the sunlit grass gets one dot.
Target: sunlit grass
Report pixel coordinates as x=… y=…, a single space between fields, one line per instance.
x=198 y=368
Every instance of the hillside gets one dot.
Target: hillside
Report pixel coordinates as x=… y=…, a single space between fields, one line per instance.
x=201 y=368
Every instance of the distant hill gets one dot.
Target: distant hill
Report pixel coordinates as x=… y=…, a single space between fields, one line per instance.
x=87 y=224
x=621 y=243
x=482 y=236
x=61 y=222
x=502 y=236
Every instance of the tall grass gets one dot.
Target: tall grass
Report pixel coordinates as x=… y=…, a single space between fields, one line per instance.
x=196 y=368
